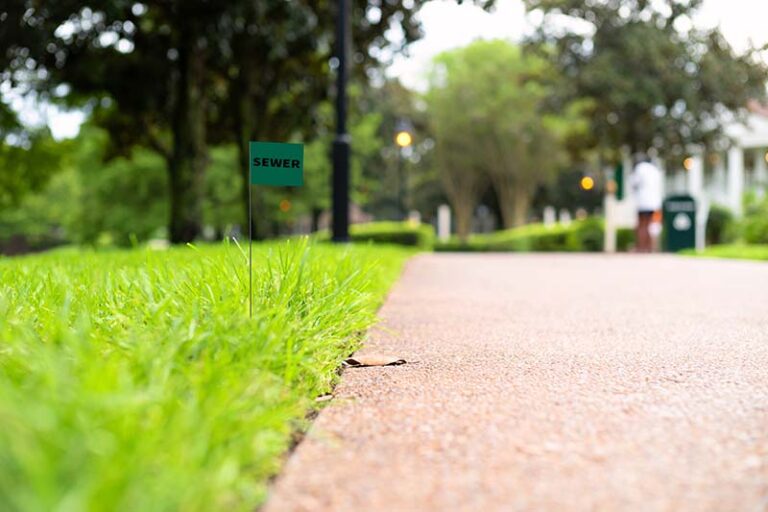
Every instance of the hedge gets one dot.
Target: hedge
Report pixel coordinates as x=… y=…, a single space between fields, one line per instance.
x=580 y=236
x=625 y=239
x=395 y=233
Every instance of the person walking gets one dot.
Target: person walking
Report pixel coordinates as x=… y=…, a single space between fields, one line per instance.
x=646 y=182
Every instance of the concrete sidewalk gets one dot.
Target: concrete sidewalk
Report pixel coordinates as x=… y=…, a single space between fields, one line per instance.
x=551 y=382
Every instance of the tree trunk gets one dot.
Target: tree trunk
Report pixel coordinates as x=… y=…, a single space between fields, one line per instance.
x=188 y=157
x=462 y=195
x=520 y=203
x=463 y=212
x=316 y=213
x=505 y=193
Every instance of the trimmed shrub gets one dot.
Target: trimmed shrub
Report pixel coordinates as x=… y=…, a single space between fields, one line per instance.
x=551 y=242
x=386 y=232
x=720 y=226
x=625 y=239
x=396 y=233
x=753 y=227
x=580 y=236
x=588 y=236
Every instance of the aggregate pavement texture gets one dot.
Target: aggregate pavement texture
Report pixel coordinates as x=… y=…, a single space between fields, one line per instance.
x=551 y=382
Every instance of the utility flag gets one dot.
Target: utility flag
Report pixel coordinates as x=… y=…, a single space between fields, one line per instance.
x=277 y=164
x=270 y=163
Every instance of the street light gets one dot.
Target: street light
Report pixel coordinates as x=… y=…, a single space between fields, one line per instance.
x=403 y=139
x=340 y=193
x=587 y=183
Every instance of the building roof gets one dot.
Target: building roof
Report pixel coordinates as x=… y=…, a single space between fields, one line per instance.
x=753 y=131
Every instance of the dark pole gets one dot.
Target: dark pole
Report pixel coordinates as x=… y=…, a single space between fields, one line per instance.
x=401 y=184
x=341 y=141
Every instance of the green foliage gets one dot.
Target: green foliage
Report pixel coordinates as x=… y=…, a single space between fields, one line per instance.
x=398 y=233
x=735 y=251
x=316 y=193
x=503 y=132
x=44 y=219
x=588 y=235
x=364 y=129
x=754 y=225
x=27 y=167
x=222 y=207
x=9 y=120
x=625 y=239
x=566 y=192
x=40 y=193
x=134 y=380
x=394 y=173
x=119 y=201
x=652 y=84
x=580 y=236
x=89 y=201
x=183 y=75
x=720 y=226
x=386 y=232
x=122 y=201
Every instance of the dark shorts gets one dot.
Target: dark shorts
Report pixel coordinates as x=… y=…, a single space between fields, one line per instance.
x=645 y=213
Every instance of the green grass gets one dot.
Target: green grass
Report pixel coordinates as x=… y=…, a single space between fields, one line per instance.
x=135 y=381
x=742 y=252
x=580 y=235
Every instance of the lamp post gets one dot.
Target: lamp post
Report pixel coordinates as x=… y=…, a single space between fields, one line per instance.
x=587 y=183
x=340 y=194
x=403 y=139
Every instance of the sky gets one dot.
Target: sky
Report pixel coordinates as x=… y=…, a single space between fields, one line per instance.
x=448 y=25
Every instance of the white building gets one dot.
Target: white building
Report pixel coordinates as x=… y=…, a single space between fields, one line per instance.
x=720 y=178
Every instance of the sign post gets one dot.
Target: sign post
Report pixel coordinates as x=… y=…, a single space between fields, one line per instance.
x=270 y=163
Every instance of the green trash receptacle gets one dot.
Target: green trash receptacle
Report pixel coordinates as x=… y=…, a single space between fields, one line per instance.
x=679 y=213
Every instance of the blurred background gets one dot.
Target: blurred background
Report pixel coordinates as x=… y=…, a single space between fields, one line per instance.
x=125 y=122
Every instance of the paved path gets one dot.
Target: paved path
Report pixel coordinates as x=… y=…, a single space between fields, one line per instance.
x=552 y=382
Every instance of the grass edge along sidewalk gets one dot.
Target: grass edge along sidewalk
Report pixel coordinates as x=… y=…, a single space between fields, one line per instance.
x=134 y=380
x=732 y=251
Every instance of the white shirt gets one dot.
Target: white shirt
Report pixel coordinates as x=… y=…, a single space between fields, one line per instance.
x=647 y=183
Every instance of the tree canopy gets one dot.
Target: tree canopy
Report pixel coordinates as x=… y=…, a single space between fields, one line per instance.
x=178 y=75
x=657 y=81
x=488 y=105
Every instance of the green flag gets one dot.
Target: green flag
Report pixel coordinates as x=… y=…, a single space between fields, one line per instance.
x=276 y=163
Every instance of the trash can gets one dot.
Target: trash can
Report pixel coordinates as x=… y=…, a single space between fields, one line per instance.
x=679 y=213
